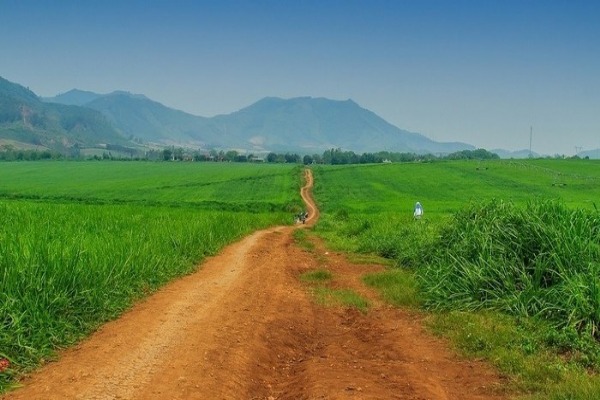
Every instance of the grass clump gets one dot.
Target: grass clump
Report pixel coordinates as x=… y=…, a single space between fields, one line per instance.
x=317 y=276
x=302 y=240
x=397 y=286
x=358 y=258
x=343 y=297
x=320 y=280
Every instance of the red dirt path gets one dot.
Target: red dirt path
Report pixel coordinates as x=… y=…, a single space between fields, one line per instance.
x=245 y=327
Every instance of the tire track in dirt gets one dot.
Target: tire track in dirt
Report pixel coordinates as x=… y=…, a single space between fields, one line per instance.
x=244 y=327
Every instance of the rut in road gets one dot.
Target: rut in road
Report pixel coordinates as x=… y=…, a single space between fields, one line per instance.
x=245 y=327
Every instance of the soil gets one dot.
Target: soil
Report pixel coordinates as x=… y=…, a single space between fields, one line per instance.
x=244 y=326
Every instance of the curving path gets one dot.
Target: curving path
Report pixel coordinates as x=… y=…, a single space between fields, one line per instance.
x=245 y=327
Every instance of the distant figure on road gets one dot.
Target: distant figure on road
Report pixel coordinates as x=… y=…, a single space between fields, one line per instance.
x=418 y=210
x=301 y=217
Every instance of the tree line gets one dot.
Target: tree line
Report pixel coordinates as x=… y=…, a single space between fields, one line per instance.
x=9 y=153
x=332 y=156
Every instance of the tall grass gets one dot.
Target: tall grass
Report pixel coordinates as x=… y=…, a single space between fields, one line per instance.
x=66 y=268
x=541 y=260
x=390 y=235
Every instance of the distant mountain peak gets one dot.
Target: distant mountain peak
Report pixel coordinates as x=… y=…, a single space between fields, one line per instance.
x=315 y=124
x=8 y=88
x=78 y=97
x=78 y=92
x=27 y=120
x=73 y=97
x=128 y=94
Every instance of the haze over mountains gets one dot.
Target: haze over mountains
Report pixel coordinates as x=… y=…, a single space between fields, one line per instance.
x=28 y=122
x=137 y=117
x=302 y=124
x=305 y=125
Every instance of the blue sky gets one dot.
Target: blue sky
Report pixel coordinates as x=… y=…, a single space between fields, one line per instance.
x=480 y=72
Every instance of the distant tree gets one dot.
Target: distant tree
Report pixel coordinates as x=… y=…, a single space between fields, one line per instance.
x=291 y=158
x=479 y=154
x=317 y=159
x=75 y=151
x=307 y=160
x=271 y=157
x=178 y=154
x=167 y=154
x=198 y=156
x=338 y=156
x=154 y=155
x=369 y=158
x=231 y=155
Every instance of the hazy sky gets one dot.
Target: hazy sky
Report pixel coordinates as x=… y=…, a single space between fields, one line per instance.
x=480 y=72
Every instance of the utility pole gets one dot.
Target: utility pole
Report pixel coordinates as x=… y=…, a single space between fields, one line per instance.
x=530 y=140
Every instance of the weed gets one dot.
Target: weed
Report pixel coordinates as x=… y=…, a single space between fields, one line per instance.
x=344 y=297
x=317 y=276
x=397 y=286
x=302 y=240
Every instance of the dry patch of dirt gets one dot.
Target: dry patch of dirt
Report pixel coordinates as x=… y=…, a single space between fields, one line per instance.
x=245 y=327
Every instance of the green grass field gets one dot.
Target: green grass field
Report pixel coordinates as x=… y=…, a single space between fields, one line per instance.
x=232 y=186
x=81 y=241
x=509 y=250
x=444 y=187
x=507 y=254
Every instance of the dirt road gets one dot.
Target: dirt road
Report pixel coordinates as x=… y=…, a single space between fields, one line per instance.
x=245 y=327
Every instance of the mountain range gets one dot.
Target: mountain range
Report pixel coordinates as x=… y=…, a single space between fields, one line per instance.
x=304 y=124
x=137 y=117
x=28 y=122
